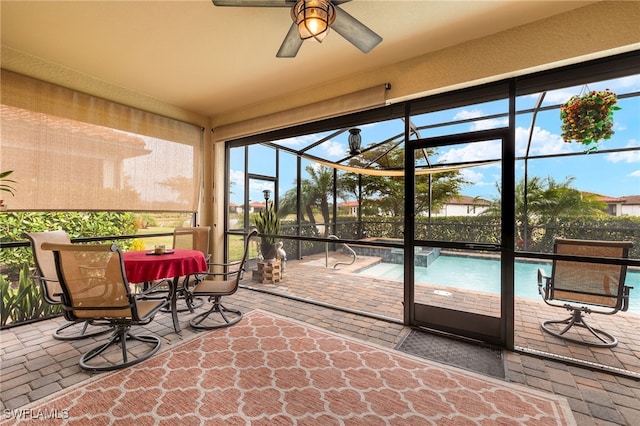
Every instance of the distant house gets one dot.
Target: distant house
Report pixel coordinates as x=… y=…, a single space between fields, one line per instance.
x=631 y=205
x=614 y=204
x=256 y=207
x=463 y=205
x=235 y=208
x=349 y=208
x=627 y=205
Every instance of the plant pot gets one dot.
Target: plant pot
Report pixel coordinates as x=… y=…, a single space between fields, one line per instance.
x=588 y=119
x=268 y=250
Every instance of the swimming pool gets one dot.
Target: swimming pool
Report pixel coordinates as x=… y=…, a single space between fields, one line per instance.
x=483 y=274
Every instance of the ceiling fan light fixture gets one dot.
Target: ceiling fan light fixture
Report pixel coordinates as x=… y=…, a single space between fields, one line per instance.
x=313 y=18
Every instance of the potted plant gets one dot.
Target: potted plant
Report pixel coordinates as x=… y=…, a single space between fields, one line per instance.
x=6 y=187
x=268 y=223
x=588 y=118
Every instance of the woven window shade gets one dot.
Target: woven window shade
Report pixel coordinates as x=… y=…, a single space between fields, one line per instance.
x=353 y=102
x=72 y=151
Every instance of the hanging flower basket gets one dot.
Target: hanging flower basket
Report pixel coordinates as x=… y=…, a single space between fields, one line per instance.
x=588 y=118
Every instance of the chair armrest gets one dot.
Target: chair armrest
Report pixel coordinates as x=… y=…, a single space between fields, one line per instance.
x=543 y=280
x=224 y=266
x=41 y=278
x=224 y=274
x=625 y=297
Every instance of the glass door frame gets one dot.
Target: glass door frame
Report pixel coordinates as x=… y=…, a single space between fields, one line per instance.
x=497 y=331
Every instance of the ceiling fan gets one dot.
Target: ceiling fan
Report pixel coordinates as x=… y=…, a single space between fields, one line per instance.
x=312 y=19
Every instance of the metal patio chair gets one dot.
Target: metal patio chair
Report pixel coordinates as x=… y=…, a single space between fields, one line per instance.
x=95 y=288
x=213 y=288
x=45 y=274
x=189 y=238
x=585 y=287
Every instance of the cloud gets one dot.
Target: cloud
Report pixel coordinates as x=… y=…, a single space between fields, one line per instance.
x=471 y=152
x=330 y=149
x=635 y=174
x=629 y=84
x=473 y=176
x=256 y=187
x=303 y=140
x=334 y=149
x=560 y=96
x=625 y=157
x=237 y=177
x=490 y=123
x=543 y=142
x=466 y=114
x=315 y=166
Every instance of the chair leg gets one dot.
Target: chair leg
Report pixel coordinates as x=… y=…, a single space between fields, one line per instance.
x=606 y=340
x=119 y=337
x=216 y=308
x=74 y=330
x=190 y=302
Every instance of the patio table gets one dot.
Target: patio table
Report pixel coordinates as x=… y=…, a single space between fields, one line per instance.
x=146 y=266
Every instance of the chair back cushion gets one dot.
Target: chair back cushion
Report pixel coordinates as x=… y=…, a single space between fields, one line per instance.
x=93 y=282
x=192 y=238
x=45 y=263
x=590 y=283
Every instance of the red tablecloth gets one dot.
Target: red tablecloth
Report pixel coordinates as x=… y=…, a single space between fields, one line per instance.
x=140 y=266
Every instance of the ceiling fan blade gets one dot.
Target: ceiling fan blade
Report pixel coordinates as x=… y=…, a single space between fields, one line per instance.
x=291 y=44
x=355 y=31
x=254 y=3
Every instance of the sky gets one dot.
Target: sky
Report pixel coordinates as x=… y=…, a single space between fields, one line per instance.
x=610 y=174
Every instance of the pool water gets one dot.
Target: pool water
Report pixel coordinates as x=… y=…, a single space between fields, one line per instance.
x=483 y=274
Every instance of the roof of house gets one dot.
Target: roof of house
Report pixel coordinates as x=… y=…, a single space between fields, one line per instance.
x=607 y=199
x=468 y=201
x=631 y=199
x=625 y=199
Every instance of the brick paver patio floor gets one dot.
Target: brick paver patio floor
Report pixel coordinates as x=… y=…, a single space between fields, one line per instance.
x=34 y=365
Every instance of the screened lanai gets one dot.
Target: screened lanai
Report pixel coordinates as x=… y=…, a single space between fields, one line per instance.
x=116 y=114
x=449 y=206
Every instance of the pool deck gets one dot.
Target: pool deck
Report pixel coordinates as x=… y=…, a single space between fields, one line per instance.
x=384 y=297
x=34 y=365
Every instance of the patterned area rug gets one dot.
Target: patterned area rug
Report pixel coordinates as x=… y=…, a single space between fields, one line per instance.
x=270 y=370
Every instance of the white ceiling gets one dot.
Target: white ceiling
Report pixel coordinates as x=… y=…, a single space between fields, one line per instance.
x=211 y=60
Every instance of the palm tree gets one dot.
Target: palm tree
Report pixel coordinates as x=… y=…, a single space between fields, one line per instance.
x=547 y=202
x=559 y=199
x=319 y=189
x=315 y=194
x=431 y=191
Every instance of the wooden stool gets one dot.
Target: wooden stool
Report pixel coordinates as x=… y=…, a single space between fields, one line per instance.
x=268 y=272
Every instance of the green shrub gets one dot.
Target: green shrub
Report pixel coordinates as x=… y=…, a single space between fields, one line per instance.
x=24 y=302
x=486 y=229
x=76 y=224
x=145 y=220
